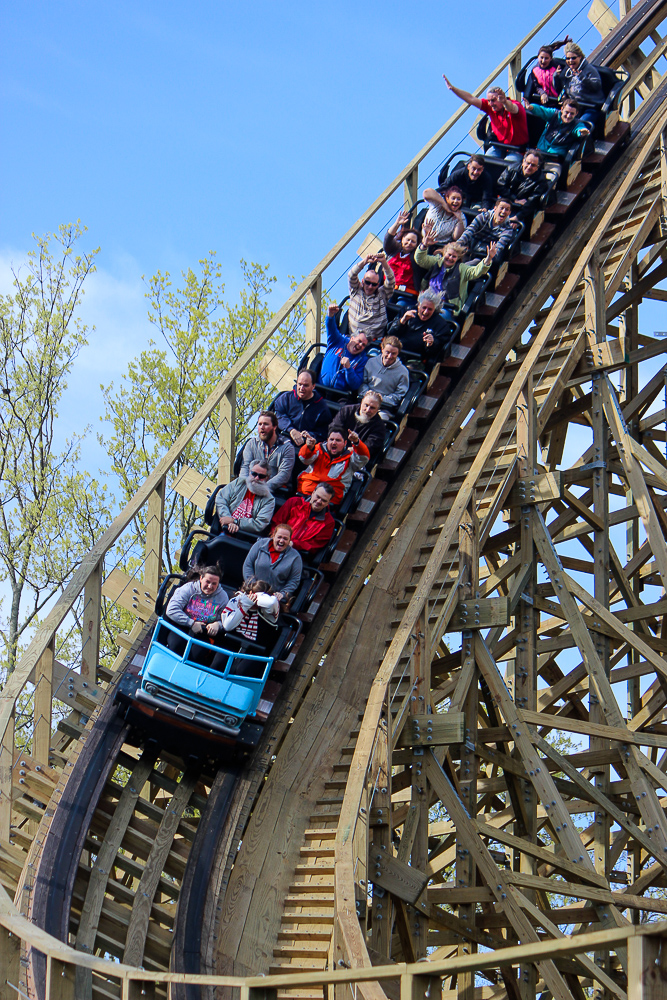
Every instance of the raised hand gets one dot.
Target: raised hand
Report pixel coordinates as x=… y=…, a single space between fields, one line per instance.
x=333 y=309
x=403 y=218
x=408 y=314
x=428 y=239
x=491 y=250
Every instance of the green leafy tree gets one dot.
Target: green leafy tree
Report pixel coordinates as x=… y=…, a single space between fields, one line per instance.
x=199 y=337
x=50 y=511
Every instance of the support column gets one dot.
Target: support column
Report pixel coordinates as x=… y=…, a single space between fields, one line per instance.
x=90 y=627
x=227 y=436
x=466 y=871
x=411 y=189
x=6 y=764
x=524 y=677
x=420 y=680
x=314 y=312
x=154 y=536
x=512 y=72
x=43 y=698
x=380 y=840
x=602 y=826
x=647 y=967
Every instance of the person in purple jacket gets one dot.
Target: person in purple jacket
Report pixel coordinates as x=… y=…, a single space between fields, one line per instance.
x=345 y=357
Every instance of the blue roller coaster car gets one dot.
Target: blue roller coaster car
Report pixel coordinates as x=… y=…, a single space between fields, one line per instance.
x=183 y=684
x=180 y=690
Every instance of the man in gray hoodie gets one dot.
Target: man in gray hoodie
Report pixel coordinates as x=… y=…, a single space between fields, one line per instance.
x=387 y=375
x=270 y=446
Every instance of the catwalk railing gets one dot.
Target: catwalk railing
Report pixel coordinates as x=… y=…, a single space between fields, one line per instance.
x=646 y=945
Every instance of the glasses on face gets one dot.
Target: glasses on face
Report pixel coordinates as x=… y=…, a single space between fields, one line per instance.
x=371 y=284
x=258 y=475
x=571 y=58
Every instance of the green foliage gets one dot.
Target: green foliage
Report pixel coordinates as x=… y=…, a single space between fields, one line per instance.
x=200 y=336
x=50 y=510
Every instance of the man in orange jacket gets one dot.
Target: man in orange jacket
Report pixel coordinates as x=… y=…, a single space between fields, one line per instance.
x=334 y=462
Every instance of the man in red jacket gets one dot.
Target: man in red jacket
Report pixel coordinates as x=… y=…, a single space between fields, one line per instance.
x=312 y=524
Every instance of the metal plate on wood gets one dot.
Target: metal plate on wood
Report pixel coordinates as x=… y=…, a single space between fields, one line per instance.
x=433 y=730
x=480 y=613
x=395 y=876
x=536 y=489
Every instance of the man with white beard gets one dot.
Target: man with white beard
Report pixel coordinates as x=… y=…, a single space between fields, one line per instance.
x=362 y=419
x=246 y=503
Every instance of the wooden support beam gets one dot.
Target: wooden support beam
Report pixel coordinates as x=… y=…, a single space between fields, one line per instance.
x=154 y=536
x=491 y=874
x=90 y=630
x=43 y=699
x=227 y=435
x=314 y=312
x=411 y=189
x=647 y=967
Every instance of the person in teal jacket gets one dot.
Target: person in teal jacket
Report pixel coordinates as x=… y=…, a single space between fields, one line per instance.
x=563 y=128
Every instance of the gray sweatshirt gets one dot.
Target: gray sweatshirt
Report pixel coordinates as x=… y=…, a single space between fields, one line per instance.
x=188 y=605
x=392 y=382
x=282 y=575
x=280 y=459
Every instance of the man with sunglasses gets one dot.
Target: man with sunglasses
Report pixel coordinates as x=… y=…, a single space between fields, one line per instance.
x=246 y=504
x=367 y=309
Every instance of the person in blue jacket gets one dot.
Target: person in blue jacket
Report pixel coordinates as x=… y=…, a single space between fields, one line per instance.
x=303 y=409
x=345 y=357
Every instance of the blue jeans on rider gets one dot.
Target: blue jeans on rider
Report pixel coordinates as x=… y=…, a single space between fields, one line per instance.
x=503 y=153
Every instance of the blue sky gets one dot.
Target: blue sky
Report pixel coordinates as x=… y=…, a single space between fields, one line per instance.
x=257 y=131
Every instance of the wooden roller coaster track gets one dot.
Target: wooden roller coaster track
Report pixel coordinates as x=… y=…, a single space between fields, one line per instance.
x=469 y=757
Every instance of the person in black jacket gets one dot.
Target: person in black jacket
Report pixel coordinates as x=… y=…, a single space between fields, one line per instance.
x=581 y=81
x=303 y=409
x=474 y=181
x=524 y=184
x=365 y=420
x=422 y=330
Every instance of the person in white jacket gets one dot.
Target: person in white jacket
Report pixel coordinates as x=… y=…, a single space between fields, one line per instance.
x=253 y=612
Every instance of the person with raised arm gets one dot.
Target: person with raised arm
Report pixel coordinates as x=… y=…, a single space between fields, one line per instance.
x=508 y=119
x=400 y=243
x=563 y=128
x=448 y=276
x=444 y=213
x=345 y=357
x=367 y=309
x=491 y=226
x=333 y=462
